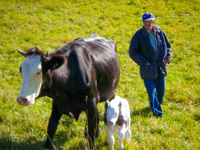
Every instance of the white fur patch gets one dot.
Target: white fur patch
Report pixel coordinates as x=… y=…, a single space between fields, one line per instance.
x=31 y=78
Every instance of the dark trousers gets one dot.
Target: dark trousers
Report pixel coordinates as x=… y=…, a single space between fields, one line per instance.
x=156 y=90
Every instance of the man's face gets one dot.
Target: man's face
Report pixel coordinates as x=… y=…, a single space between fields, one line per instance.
x=149 y=24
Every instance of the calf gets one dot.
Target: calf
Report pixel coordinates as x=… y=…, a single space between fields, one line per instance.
x=117 y=118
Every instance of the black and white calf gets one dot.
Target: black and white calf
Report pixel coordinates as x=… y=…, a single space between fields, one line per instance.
x=117 y=119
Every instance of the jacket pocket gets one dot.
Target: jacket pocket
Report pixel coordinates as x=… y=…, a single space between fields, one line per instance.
x=149 y=72
x=163 y=69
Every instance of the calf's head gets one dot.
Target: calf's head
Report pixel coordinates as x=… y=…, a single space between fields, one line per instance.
x=112 y=113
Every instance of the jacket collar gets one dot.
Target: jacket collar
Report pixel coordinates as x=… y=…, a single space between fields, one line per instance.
x=145 y=33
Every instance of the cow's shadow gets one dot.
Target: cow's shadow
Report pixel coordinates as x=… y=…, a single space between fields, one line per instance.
x=144 y=112
x=7 y=142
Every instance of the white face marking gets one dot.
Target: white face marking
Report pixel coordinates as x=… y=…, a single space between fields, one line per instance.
x=31 y=78
x=112 y=112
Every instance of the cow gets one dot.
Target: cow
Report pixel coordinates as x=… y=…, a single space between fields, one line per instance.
x=117 y=119
x=76 y=76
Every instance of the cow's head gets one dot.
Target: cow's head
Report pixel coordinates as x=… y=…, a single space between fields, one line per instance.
x=112 y=112
x=31 y=71
x=36 y=69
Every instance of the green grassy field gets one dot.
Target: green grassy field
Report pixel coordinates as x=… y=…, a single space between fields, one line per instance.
x=48 y=24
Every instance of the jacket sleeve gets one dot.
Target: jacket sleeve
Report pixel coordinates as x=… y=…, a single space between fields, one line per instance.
x=169 y=49
x=135 y=51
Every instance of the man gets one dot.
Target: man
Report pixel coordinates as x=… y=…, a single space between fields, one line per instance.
x=151 y=50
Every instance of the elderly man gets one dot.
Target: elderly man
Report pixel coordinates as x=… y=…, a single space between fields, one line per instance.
x=151 y=50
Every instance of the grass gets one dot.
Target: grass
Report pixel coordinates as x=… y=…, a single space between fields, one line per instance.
x=50 y=24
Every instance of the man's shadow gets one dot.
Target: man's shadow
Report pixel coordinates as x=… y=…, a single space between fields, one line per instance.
x=144 y=112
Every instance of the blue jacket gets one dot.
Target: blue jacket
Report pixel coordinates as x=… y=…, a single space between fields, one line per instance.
x=142 y=52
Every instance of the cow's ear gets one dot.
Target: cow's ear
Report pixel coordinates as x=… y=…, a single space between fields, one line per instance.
x=21 y=52
x=56 y=61
x=51 y=63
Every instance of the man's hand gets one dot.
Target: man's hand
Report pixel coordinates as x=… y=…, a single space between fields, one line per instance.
x=167 y=61
x=147 y=64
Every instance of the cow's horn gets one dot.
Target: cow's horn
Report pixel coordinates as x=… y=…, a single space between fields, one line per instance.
x=45 y=55
x=21 y=52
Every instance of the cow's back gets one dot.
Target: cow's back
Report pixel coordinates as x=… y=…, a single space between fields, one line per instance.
x=105 y=59
x=101 y=52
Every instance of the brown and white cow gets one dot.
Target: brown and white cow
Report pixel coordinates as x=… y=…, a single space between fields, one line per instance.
x=76 y=76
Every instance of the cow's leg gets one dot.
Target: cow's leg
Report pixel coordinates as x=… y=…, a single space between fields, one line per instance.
x=92 y=121
x=98 y=131
x=52 y=126
x=98 y=128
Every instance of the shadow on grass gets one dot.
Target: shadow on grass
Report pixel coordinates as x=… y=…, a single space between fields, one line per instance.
x=7 y=143
x=144 y=112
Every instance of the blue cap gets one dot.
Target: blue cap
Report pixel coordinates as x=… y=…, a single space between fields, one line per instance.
x=147 y=16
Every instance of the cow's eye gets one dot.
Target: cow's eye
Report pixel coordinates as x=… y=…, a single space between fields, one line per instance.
x=38 y=73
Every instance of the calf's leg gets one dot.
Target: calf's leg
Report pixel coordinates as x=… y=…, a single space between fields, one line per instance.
x=128 y=135
x=128 y=132
x=121 y=135
x=111 y=139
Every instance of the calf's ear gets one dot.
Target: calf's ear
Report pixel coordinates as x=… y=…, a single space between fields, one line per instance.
x=120 y=104
x=106 y=104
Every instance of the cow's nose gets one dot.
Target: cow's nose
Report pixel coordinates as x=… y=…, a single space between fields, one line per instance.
x=22 y=101
x=110 y=123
